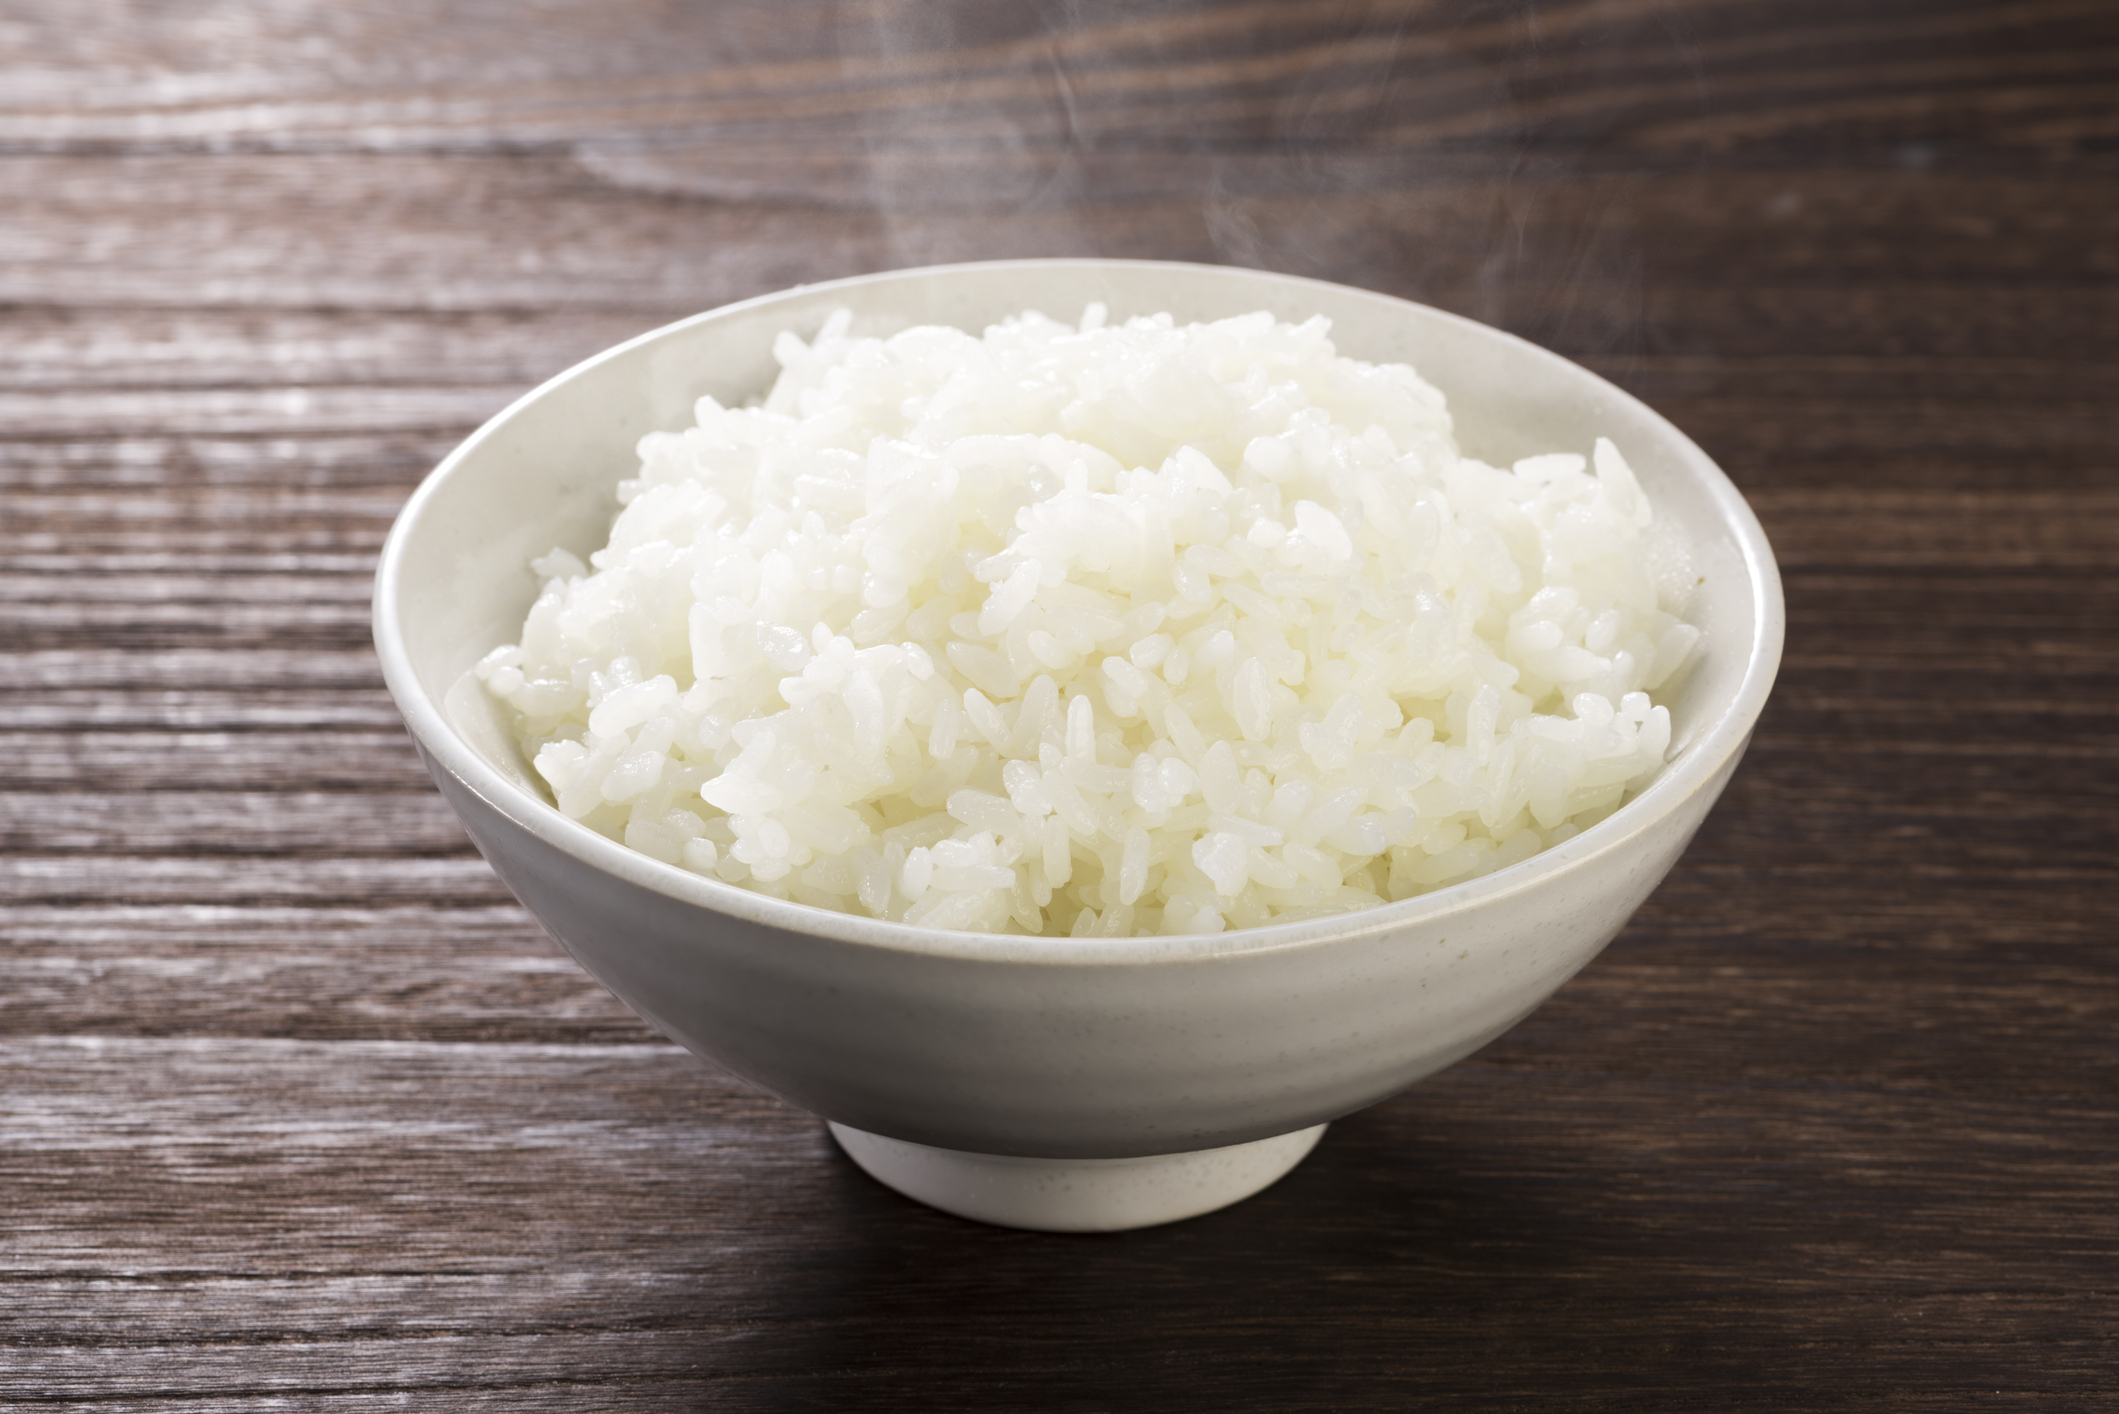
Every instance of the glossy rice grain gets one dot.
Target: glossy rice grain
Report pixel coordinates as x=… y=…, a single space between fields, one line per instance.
x=1094 y=628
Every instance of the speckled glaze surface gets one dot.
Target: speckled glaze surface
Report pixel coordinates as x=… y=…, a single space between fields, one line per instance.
x=1057 y=1048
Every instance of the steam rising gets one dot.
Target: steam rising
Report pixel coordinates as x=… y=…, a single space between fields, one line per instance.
x=1495 y=161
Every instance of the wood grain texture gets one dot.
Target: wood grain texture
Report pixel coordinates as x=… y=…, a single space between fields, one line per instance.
x=299 y=1110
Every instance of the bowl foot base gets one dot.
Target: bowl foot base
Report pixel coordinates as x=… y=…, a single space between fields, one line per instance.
x=1076 y=1195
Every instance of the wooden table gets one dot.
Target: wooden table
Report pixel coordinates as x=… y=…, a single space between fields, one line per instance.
x=301 y=1110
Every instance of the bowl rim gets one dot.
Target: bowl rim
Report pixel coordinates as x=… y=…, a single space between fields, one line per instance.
x=447 y=749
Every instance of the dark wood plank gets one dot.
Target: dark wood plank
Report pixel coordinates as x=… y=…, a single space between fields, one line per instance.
x=373 y=971
x=1510 y=1214
x=324 y=759
x=1719 y=73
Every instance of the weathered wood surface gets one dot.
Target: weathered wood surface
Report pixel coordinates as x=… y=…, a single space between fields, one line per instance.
x=299 y=1110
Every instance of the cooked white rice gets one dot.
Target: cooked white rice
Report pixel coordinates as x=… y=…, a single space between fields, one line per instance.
x=1103 y=630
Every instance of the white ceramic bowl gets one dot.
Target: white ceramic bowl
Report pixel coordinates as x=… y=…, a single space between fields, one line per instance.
x=1049 y=1082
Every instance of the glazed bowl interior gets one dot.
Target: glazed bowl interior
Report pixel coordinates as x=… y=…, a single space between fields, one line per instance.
x=455 y=580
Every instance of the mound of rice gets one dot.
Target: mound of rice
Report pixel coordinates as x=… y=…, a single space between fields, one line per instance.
x=1099 y=630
